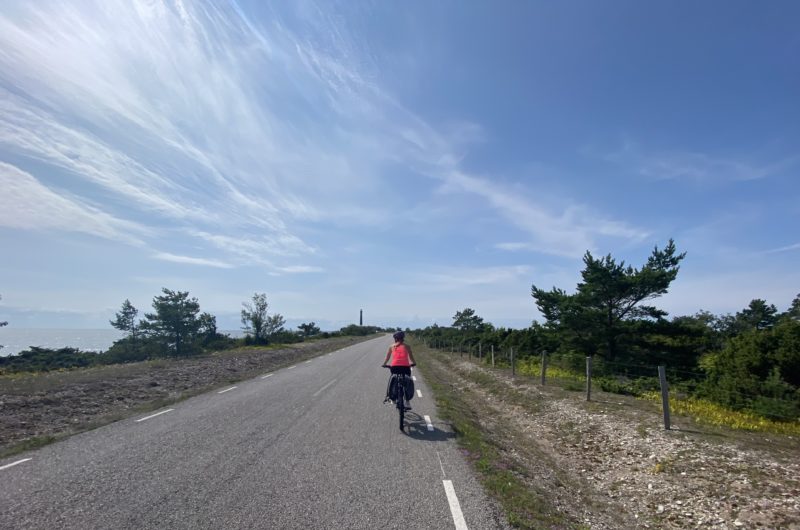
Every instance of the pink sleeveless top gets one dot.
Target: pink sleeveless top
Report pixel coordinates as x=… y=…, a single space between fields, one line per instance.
x=400 y=356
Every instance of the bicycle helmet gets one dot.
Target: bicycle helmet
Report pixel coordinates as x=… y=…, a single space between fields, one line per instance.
x=398 y=336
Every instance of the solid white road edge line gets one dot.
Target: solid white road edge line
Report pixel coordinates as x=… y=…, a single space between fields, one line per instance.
x=156 y=414
x=428 y=422
x=419 y=393
x=455 y=508
x=226 y=390
x=318 y=392
x=12 y=464
x=265 y=376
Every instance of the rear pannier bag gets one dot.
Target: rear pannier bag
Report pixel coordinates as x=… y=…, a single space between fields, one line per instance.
x=393 y=387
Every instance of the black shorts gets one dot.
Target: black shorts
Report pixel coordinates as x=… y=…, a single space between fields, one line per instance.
x=400 y=370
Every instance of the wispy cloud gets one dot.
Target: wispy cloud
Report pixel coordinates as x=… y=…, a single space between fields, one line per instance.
x=166 y=256
x=300 y=269
x=27 y=204
x=568 y=233
x=462 y=277
x=694 y=166
x=787 y=248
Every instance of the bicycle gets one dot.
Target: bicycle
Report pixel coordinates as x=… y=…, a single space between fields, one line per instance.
x=400 y=391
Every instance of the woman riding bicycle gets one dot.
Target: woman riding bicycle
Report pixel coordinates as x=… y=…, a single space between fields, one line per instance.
x=401 y=357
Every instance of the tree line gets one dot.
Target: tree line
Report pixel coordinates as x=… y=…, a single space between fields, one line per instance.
x=749 y=360
x=175 y=328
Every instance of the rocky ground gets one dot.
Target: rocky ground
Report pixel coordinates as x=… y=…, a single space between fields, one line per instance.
x=611 y=464
x=37 y=409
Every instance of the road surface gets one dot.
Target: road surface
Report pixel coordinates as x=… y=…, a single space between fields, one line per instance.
x=311 y=446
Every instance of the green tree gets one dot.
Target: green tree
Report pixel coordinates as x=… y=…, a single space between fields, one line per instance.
x=794 y=309
x=758 y=315
x=125 y=319
x=175 y=320
x=254 y=318
x=274 y=324
x=608 y=300
x=467 y=320
x=308 y=329
x=758 y=370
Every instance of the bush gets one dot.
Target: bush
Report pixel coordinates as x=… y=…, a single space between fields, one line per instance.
x=38 y=359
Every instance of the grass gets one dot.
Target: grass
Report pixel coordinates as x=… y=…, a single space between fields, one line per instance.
x=703 y=411
x=525 y=501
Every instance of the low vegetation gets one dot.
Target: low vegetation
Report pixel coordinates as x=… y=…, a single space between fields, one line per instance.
x=746 y=363
x=175 y=329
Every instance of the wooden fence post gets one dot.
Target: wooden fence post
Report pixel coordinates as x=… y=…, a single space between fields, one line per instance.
x=662 y=377
x=544 y=366
x=480 y=351
x=492 y=355
x=513 y=368
x=589 y=378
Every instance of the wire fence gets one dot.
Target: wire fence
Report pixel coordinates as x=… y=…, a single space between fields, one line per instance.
x=637 y=379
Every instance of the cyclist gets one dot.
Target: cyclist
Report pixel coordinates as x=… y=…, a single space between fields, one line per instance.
x=401 y=359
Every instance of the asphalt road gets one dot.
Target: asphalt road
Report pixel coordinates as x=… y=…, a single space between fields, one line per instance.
x=311 y=447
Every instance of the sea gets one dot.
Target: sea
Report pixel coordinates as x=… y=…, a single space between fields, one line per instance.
x=15 y=340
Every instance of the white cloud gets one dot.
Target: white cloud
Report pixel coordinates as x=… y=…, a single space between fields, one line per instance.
x=730 y=291
x=787 y=248
x=298 y=269
x=166 y=256
x=514 y=246
x=693 y=166
x=25 y=203
x=463 y=277
x=569 y=234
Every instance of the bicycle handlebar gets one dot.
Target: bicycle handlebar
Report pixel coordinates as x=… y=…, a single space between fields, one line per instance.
x=387 y=366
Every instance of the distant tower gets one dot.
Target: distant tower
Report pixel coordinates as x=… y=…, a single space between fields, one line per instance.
x=360 y=317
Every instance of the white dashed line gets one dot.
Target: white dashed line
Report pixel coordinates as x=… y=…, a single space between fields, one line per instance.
x=307 y=362
x=295 y=366
x=156 y=414
x=265 y=376
x=414 y=377
x=12 y=464
x=428 y=423
x=455 y=508
x=318 y=392
x=419 y=393
x=226 y=390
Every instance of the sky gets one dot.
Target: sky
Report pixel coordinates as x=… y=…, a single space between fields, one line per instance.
x=410 y=159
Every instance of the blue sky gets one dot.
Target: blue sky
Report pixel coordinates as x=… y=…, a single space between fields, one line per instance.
x=408 y=158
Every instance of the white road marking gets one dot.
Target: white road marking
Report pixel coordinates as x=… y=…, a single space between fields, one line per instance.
x=307 y=362
x=265 y=376
x=455 y=508
x=440 y=464
x=318 y=392
x=428 y=423
x=226 y=390
x=156 y=414
x=294 y=366
x=419 y=393
x=15 y=463
x=414 y=377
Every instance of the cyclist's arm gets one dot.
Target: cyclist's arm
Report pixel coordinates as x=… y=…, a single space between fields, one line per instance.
x=388 y=354
x=410 y=355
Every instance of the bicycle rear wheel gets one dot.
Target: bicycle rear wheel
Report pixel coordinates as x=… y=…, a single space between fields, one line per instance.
x=400 y=404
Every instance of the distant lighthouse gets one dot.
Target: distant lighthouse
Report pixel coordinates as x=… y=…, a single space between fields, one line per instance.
x=360 y=317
